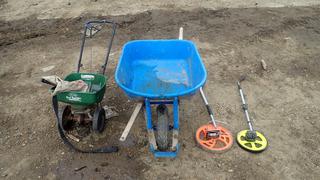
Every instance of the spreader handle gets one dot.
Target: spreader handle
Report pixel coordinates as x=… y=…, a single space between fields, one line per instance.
x=88 y=25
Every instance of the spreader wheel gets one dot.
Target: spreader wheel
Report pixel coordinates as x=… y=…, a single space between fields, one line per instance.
x=98 y=121
x=65 y=117
x=258 y=144
x=214 y=139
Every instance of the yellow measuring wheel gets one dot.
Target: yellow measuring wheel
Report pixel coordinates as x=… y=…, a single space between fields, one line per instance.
x=250 y=140
x=258 y=144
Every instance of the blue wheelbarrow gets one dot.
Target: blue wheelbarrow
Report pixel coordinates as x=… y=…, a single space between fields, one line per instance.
x=159 y=73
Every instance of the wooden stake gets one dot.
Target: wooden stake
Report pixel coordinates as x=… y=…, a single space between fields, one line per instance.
x=130 y=122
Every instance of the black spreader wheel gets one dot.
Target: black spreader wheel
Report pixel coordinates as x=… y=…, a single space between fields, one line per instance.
x=98 y=121
x=65 y=117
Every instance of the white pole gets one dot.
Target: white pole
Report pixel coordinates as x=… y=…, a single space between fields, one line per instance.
x=181 y=33
x=130 y=122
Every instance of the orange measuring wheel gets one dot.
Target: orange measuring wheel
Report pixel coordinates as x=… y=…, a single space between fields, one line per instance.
x=215 y=139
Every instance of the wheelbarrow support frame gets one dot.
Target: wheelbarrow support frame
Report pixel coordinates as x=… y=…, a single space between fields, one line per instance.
x=175 y=131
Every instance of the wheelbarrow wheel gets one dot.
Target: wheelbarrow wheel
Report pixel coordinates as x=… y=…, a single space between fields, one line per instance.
x=98 y=122
x=65 y=117
x=162 y=127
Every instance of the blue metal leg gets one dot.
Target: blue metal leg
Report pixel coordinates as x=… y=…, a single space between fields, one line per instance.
x=161 y=102
x=176 y=113
x=149 y=114
x=167 y=154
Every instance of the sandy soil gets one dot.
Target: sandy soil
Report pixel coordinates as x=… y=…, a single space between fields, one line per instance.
x=44 y=9
x=284 y=99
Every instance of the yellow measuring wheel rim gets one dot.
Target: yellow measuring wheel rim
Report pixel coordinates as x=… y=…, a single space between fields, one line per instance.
x=258 y=145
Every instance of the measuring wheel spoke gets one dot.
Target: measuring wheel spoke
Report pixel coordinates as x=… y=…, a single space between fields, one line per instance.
x=262 y=143
x=209 y=144
x=225 y=139
x=253 y=145
x=257 y=145
x=213 y=144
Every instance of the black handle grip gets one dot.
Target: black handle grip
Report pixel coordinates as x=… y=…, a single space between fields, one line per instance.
x=47 y=82
x=209 y=109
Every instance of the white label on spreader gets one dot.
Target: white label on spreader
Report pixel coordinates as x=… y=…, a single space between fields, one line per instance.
x=74 y=98
x=87 y=77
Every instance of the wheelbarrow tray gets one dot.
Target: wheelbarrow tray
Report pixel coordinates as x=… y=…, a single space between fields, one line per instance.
x=97 y=86
x=160 y=69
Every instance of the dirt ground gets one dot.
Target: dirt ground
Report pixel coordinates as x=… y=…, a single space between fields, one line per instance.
x=45 y=9
x=284 y=100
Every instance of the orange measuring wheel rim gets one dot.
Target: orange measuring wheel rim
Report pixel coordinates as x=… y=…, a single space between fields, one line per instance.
x=220 y=143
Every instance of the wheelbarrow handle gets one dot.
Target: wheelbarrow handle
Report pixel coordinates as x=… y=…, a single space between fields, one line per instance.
x=88 y=25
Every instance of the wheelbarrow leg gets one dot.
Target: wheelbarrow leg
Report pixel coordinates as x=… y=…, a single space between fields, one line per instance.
x=175 y=132
x=148 y=116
